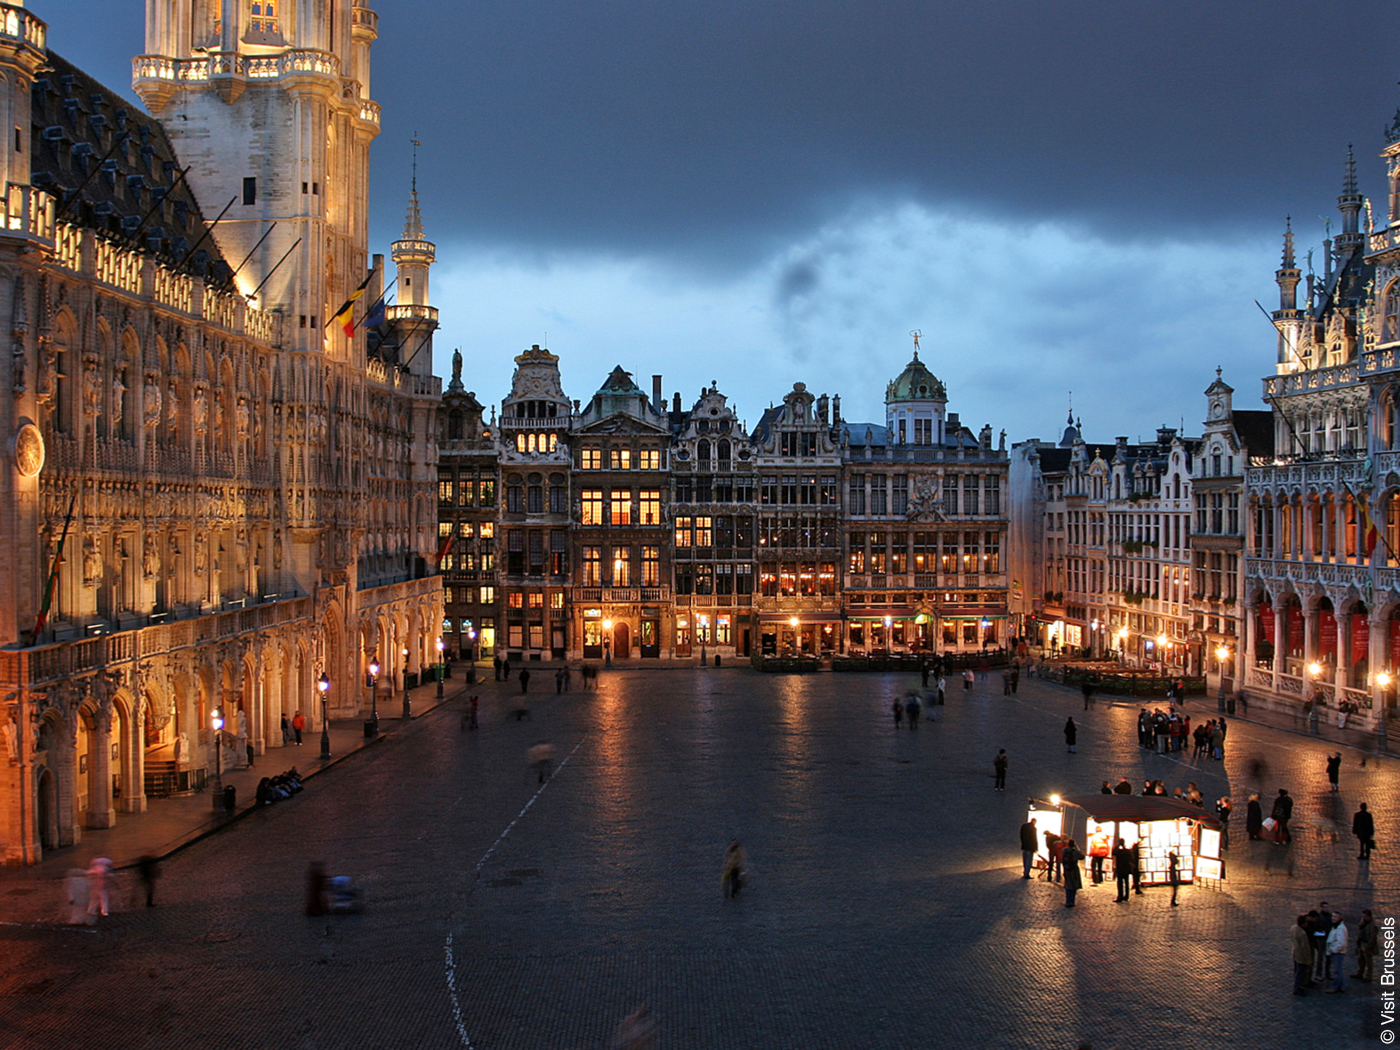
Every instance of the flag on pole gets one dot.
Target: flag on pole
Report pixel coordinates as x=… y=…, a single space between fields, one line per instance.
x=445 y=546
x=374 y=316
x=1371 y=534
x=345 y=315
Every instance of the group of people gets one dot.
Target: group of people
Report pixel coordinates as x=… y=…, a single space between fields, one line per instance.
x=1065 y=856
x=1320 y=944
x=910 y=707
x=1168 y=731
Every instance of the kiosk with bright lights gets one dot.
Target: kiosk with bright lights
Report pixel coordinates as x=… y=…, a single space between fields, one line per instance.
x=1161 y=824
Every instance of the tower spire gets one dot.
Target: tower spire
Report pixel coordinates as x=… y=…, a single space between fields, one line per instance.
x=413 y=222
x=1349 y=204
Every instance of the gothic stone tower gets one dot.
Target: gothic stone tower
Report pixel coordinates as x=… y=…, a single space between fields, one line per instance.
x=268 y=101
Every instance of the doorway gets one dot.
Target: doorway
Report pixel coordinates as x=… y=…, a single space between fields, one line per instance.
x=650 y=640
x=622 y=641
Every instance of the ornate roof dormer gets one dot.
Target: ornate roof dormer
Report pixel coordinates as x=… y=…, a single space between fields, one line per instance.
x=916 y=383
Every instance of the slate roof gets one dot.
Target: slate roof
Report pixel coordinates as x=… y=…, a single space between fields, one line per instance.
x=88 y=140
x=1256 y=429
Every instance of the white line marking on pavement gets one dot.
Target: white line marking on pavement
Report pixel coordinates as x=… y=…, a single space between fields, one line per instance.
x=450 y=961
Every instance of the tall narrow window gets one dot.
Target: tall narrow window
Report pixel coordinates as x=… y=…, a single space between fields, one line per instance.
x=250 y=190
x=264 y=16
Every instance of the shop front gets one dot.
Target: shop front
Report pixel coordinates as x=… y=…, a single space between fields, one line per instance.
x=799 y=634
x=1153 y=825
x=879 y=632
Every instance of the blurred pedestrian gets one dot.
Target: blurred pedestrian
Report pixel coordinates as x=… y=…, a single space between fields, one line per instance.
x=1363 y=826
x=1015 y=679
x=911 y=708
x=316 y=884
x=496 y=666
x=505 y=667
x=1071 y=734
x=147 y=871
x=1122 y=870
x=75 y=887
x=286 y=730
x=897 y=709
x=475 y=701
x=541 y=756
x=636 y=1031
x=1123 y=787
x=1054 y=851
x=1282 y=811
x=1173 y=873
x=1088 y=691
x=559 y=682
x=1334 y=769
x=524 y=679
x=999 y=764
x=1006 y=683
x=732 y=875
x=99 y=875
x=1223 y=808
x=942 y=683
x=967 y=679
x=298 y=724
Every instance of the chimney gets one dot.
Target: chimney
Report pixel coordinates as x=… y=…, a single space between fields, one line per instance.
x=822 y=403
x=836 y=409
x=658 y=401
x=676 y=402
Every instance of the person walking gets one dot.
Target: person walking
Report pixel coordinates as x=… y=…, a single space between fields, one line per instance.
x=559 y=682
x=1302 y=955
x=1173 y=874
x=967 y=679
x=99 y=875
x=911 y=708
x=1363 y=826
x=1282 y=811
x=147 y=871
x=1337 y=953
x=1334 y=770
x=1071 y=734
x=298 y=724
x=1015 y=679
x=1030 y=839
x=475 y=701
x=732 y=876
x=941 y=684
x=496 y=666
x=897 y=709
x=999 y=764
x=1122 y=870
x=1074 y=880
x=923 y=673
x=524 y=679
x=1088 y=691
x=505 y=667
x=540 y=756
x=1367 y=936
x=286 y=730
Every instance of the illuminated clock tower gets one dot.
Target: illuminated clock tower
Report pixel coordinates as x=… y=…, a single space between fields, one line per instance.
x=268 y=101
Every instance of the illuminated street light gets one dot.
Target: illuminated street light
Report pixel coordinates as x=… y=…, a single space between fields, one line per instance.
x=1314 y=668
x=374 y=695
x=324 y=684
x=217 y=721
x=407 y=704
x=440 y=666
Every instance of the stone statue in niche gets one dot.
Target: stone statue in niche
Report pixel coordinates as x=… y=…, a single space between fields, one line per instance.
x=150 y=402
x=150 y=558
x=92 y=562
x=201 y=412
x=45 y=383
x=118 y=401
x=92 y=391
x=277 y=549
x=200 y=556
x=172 y=407
x=182 y=751
x=457 y=367
x=17 y=367
x=12 y=741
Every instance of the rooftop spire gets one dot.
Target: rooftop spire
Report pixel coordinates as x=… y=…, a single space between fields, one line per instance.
x=413 y=224
x=1349 y=181
x=1289 y=262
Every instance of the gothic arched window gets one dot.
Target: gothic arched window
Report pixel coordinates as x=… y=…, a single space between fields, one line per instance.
x=1390 y=324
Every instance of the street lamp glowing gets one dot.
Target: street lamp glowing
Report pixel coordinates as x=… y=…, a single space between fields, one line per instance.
x=440 y=648
x=1314 y=668
x=374 y=668
x=607 y=625
x=1054 y=800
x=323 y=683
x=1383 y=679
x=794 y=622
x=1222 y=653
x=889 y=621
x=218 y=720
x=1122 y=632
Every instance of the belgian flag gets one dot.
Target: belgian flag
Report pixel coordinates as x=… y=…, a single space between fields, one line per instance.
x=345 y=315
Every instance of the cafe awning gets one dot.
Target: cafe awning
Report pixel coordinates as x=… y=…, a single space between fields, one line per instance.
x=1105 y=808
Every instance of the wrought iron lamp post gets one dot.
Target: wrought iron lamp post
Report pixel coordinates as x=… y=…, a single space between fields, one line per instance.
x=324 y=684
x=440 y=666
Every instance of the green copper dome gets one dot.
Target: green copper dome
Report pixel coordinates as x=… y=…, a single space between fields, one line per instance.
x=916 y=383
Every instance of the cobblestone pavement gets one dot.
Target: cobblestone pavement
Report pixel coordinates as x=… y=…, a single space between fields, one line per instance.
x=885 y=909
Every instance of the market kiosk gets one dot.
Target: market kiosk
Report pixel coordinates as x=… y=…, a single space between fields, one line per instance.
x=1160 y=823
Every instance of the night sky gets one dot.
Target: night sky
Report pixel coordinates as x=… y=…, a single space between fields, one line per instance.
x=1083 y=196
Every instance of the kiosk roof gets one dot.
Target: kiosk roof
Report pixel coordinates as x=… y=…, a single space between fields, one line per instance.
x=1104 y=808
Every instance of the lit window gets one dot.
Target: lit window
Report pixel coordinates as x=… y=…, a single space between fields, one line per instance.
x=649 y=459
x=621 y=506
x=265 y=16
x=649 y=507
x=592 y=459
x=592 y=507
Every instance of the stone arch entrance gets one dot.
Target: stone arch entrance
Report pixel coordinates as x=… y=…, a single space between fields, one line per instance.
x=46 y=809
x=622 y=640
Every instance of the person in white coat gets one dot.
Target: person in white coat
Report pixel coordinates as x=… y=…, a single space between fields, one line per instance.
x=1337 y=949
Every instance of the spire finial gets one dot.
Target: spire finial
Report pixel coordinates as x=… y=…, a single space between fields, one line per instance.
x=1349 y=182
x=1217 y=375
x=1288 y=259
x=413 y=223
x=916 y=335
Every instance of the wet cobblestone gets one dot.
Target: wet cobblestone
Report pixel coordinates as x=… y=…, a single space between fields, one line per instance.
x=885 y=909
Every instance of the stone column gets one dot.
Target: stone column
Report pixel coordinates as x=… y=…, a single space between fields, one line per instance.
x=1378 y=660
x=101 y=812
x=134 y=794
x=1343 y=675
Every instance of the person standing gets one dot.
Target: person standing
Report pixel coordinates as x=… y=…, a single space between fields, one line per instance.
x=1334 y=770
x=505 y=667
x=1074 y=880
x=1223 y=809
x=1254 y=816
x=298 y=724
x=732 y=877
x=524 y=679
x=1071 y=734
x=923 y=672
x=897 y=709
x=1123 y=787
x=1173 y=874
x=1030 y=839
x=1319 y=926
x=1088 y=691
x=1217 y=740
x=1337 y=953
x=1363 y=826
x=999 y=764
x=941 y=685
x=1015 y=679
x=967 y=679
x=559 y=682
x=286 y=730
x=911 y=708
x=1122 y=870
x=1282 y=811
x=1302 y=955
x=475 y=701
x=496 y=666
x=99 y=875
x=1367 y=934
